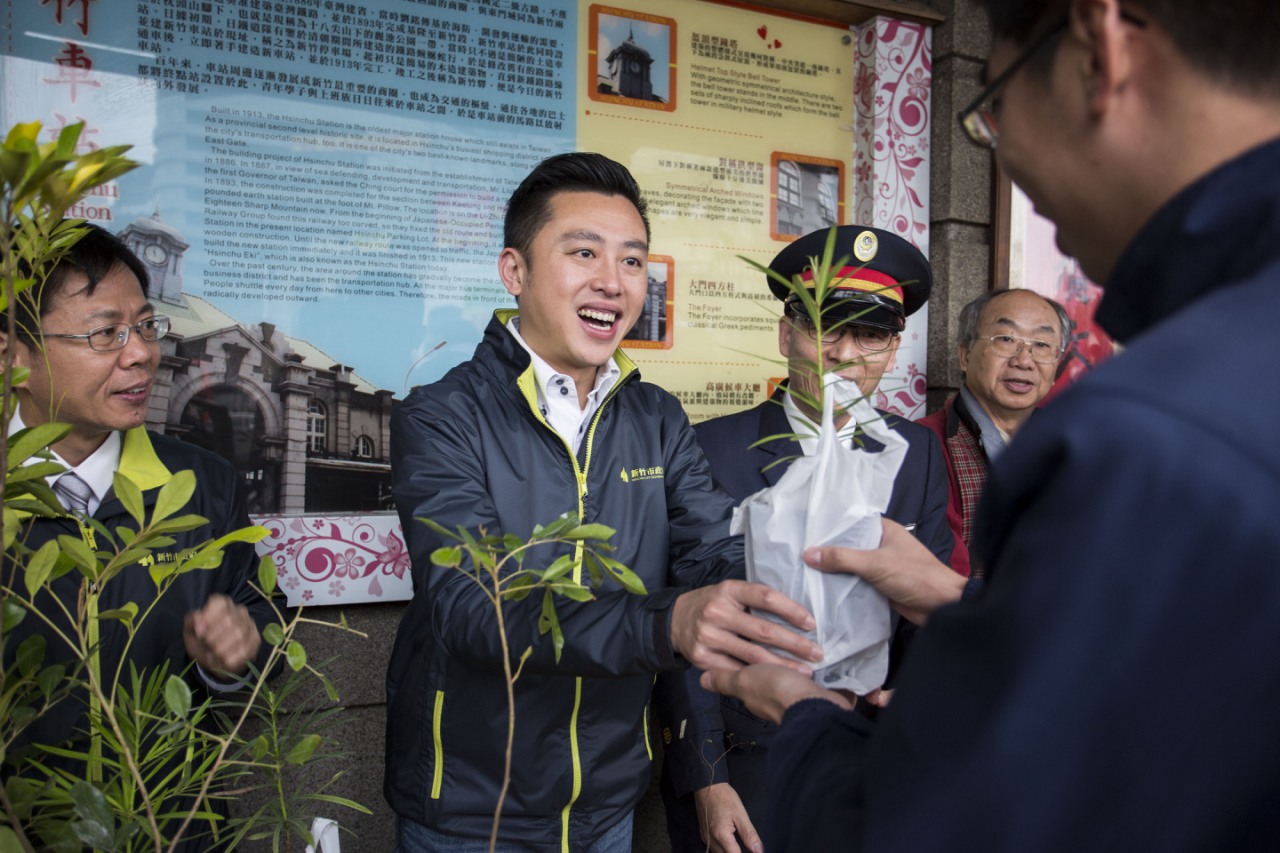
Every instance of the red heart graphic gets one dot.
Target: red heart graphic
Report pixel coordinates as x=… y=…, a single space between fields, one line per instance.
x=777 y=43
x=763 y=32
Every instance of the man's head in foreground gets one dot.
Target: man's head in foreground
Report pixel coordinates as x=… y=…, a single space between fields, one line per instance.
x=1101 y=110
x=881 y=281
x=577 y=249
x=91 y=341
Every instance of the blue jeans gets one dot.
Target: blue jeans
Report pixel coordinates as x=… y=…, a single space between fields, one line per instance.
x=415 y=838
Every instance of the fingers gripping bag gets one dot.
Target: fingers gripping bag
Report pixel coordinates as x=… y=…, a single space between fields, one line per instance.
x=835 y=497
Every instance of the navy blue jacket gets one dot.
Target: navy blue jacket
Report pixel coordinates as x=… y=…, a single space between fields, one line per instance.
x=473 y=450
x=1117 y=685
x=716 y=739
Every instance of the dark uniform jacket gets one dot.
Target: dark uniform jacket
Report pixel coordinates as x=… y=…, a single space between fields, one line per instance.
x=150 y=461
x=474 y=450
x=1116 y=686
x=716 y=739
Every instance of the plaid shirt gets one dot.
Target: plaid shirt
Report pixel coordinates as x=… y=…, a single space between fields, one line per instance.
x=967 y=467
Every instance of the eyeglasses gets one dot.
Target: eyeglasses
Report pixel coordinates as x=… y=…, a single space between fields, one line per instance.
x=979 y=123
x=116 y=335
x=1009 y=346
x=868 y=338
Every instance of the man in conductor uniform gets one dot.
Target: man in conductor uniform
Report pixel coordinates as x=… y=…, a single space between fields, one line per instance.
x=713 y=775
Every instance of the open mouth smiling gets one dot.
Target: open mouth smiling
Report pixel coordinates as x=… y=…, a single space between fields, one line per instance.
x=598 y=319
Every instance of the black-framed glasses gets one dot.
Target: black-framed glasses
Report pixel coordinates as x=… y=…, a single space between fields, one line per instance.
x=868 y=338
x=980 y=124
x=116 y=335
x=1008 y=346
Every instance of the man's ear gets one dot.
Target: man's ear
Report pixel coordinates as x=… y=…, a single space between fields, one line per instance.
x=963 y=352
x=513 y=270
x=893 y=353
x=21 y=354
x=1106 y=66
x=784 y=336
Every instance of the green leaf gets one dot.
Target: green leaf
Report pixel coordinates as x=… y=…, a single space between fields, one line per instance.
x=593 y=568
x=126 y=613
x=177 y=696
x=548 y=615
x=180 y=524
x=97 y=822
x=130 y=496
x=40 y=566
x=9 y=841
x=439 y=529
x=259 y=747
x=14 y=613
x=174 y=495
x=267 y=575
x=27 y=442
x=450 y=556
x=85 y=560
x=160 y=571
x=329 y=687
x=630 y=580
x=273 y=633
x=589 y=531
x=11 y=526
x=557 y=528
x=49 y=678
x=31 y=654
x=34 y=471
x=296 y=655
x=304 y=749
x=340 y=801
x=519 y=587
x=560 y=566
x=572 y=590
x=511 y=542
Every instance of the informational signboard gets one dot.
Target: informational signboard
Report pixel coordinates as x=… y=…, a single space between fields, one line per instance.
x=323 y=183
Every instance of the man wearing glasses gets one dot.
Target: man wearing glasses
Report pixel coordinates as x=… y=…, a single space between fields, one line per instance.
x=1114 y=686
x=714 y=766
x=1011 y=342
x=90 y=339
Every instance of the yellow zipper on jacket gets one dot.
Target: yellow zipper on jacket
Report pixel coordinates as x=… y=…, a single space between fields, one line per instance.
x=526 y=383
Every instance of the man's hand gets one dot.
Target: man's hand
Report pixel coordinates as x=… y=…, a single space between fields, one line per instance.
x=721 y=815
x=713 y=630
x=902 y=568
x=767 y=690
x=221 y=636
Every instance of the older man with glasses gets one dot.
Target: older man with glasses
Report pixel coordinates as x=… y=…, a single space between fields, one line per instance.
x=90 y=339
x=1011 y=343
x=714 y=765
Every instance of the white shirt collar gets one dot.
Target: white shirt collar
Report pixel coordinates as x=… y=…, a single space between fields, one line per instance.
x=98 y=470
x=807 y=430
x=558 y=393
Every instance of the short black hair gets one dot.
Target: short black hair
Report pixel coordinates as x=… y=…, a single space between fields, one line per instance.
x=1231 y=42
x=577 y=171
x=95 y=255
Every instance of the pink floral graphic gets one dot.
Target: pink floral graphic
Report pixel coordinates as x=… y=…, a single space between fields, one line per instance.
x=892 y=81
x=318 y=558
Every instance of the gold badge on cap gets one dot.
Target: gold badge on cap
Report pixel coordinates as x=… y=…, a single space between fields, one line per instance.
x=865 y=246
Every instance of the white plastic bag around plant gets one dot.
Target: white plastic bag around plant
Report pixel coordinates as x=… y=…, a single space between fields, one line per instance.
x=325 y=832
x=835 y=497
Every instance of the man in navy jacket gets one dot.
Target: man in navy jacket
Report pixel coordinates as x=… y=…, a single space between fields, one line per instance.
x=1113 y=687
x=713 y=771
